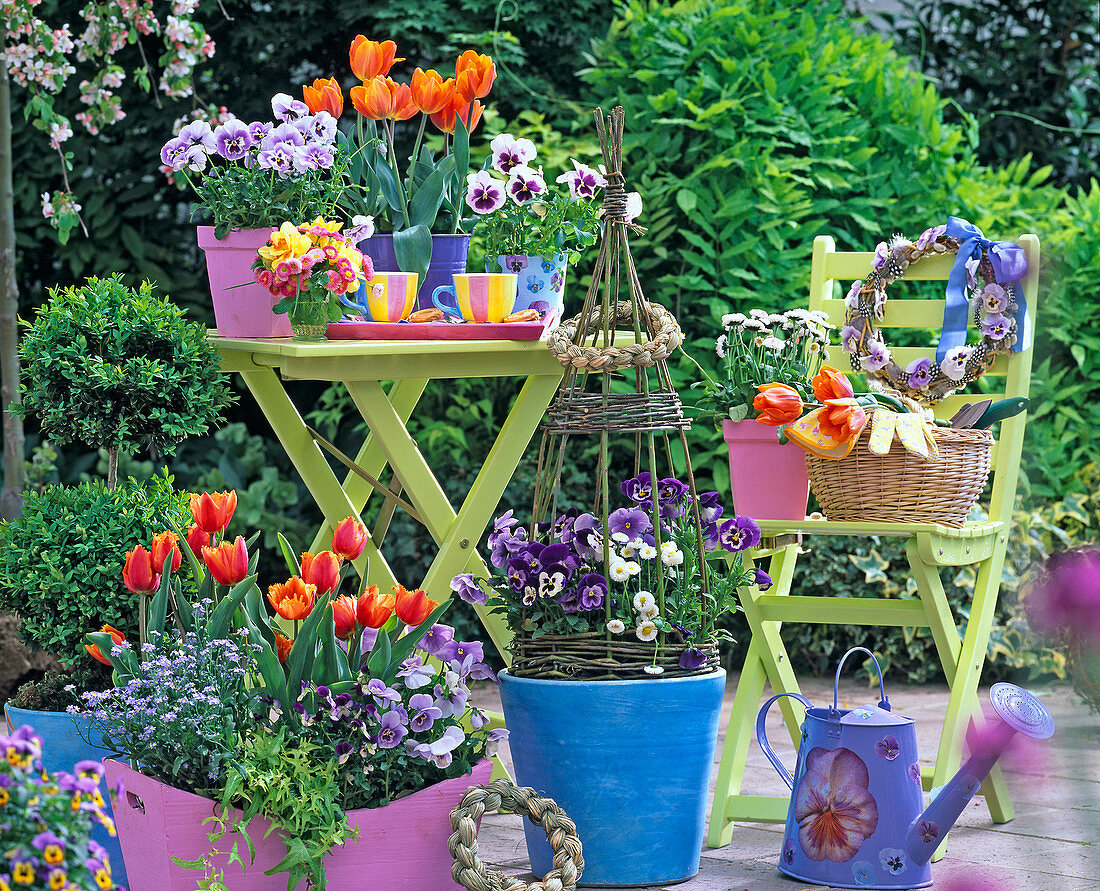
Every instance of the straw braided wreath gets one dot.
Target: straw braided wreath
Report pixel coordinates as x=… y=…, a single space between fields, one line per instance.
x=565 y=344
x=561 y=832
x=993 y=308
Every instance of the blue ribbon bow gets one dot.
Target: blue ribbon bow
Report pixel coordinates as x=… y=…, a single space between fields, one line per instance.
x=1009 y=265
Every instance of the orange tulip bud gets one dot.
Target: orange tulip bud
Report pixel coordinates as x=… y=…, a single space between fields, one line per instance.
x=282 y=646
x=350 y=538
x=343 y=613
x=413 y=607
x=778 y=404
x=430 y=92
x=831 y=384
x=445 y=118
x=373 y=610
x=197 y=540
x=322 y=570
x=370 y=58
x=213 y=510
x=228 y=562
x=138 y=574
x=474 y=76
x=165 y=543
x=97 y=654
x=324 y=95
x=841 y=419
x=293 y=599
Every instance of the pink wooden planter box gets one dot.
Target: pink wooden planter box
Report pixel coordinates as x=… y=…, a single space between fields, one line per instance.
x=401 y=847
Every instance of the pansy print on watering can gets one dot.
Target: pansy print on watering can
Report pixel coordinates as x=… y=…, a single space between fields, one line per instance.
x=855 y=818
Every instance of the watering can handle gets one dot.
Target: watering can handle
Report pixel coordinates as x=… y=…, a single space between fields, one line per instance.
x=884 y=701
x=762 y=735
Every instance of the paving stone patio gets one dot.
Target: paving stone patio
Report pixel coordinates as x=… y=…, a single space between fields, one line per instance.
x=1052 y=845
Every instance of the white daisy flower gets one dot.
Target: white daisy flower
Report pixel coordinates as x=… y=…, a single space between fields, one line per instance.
x=643 y=601
x=647 y=552
x=667 y=547
x=620 y=537
x=628 y=551
x=654 y=669
x=618 y=571
x=774 y=344
x=651 y=613
x=646 y=630
x=616 y=626
x=760 y=314
x=720 y=346
x=674 y=558
x=633 y=568
x=733 y=318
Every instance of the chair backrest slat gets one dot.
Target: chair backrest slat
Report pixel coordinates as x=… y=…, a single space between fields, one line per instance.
x=1013 y=371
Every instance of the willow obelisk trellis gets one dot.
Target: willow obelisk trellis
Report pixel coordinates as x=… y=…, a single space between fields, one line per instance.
x=640 y=401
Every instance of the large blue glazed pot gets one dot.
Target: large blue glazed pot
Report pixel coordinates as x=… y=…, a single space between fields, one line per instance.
x=448 y=258
x=540 y=281
x=628 y=761
x=63 y=744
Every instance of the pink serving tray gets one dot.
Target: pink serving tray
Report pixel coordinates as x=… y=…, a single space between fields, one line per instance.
x=362 y=330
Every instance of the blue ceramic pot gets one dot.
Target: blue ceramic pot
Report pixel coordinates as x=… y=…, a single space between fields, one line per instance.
x=540 y=281
x=628 y=761
x=448 y=257
x=63 y=745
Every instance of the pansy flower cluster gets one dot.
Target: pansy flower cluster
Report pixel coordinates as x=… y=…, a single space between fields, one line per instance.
x=46 y=821
x=578 y=575
x=520 y=214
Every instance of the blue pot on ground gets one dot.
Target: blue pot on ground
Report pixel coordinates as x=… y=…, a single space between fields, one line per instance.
x=628 y=761
x=540 y=281
x=63 y=744
x=448 y=258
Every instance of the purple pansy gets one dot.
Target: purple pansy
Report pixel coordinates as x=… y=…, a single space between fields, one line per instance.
x=414 y=672
x=174 y=153
x=525 y=184
x=483 y=193
x=995 y=326
x=852 y=297
x=510 y=152
x=582 y=181
x=591 y=591
x=709 y=508
x=638 y=488
x=196 y=157
x=232 y=140
x=629 y=522
x=258 y=130
x=424 y=712
x=198 y=133
x=877 y=356
x=320 y=127
x=882 y=251
x=954 y=363
x=671 y=491
x=391 y=730
x=738 y=533
x=888 y=748
x=761 y=579
x=515 y=263
x=929 y=236
x=914 y=773
x=507 y=546
x=692 y=658
x=849 y=338
x=928 y=831
x=313 y=156
x=436 y=639
x=587 y=537
x=283 y=134
x=920 y=373
x=458 y=651
x=280 y=159
x=994 y=298
x=468 y=589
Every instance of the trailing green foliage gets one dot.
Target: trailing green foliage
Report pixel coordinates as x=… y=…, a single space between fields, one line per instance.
x=61 y=562
x=117 y=368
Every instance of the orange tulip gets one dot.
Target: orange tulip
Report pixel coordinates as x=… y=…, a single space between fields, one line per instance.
x=350 y=538
x=778 y=404
x=343 y=613
x=322 y=570
x=228 y=562
x=282 y=646
x=831 y=384
x=97 y=654
x=213 y=510
x=413 y=607
x=841 y=419
x=138 y=574
x=370 y=58
x=293 y=599
x=165 y=543
x=324 y=95
x=382 y=97
x=430 y=92
x=444 y=119
x=197 y=540
x=373 y=610
x=474 y=76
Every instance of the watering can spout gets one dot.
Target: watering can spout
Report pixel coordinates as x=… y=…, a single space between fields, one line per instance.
x=1019 y=712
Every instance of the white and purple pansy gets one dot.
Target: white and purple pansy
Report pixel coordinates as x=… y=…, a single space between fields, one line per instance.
x=510 y=152
x=174 y=153
x=484 y=194
x=233 y=140
x=849 y=338
x=954 y=363
x=994 y=298
x=920 y=373
x=525 y=184
x=928 y=237
x=851 y=299
x=877 y=357
x=287 y=108
x=582 y=180
x=199 y=133
x=996 y=326
x=882 y=251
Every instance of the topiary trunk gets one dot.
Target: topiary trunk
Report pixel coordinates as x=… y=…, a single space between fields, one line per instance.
x=11 y=498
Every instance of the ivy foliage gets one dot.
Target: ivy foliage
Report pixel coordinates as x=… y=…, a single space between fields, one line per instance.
x=61 y=562
x=118 y=368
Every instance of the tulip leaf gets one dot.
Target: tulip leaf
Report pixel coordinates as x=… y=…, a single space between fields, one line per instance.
x=333 y=662
x=158 y=603
x=379 y=662
x=391 y=188
x=405 y=644
x=460 y=150
x=223 y=612
x=425 y=202
x=413 y=249
x=299 y=664
x=271 y=670
x=253 y=608
x=182 y=607
x=197 y=568
x=125 y=664
x=288 y=555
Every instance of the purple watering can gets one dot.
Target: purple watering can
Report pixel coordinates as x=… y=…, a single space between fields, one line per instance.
x=855 y=818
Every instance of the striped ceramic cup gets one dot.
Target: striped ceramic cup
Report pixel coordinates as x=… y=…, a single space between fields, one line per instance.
x=478 y=296
x=388 y=297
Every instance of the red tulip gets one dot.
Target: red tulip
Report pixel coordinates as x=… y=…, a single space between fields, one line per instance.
x=324 y=95
x=197 y=540
x=778 y=404
x=293 y=599
x=138 y=573
x=343 y=613
x=322 y=570
x=116 y=636
x=413 y=607
x=831 y=384
x=373 y=610
x=165 y=543
x=213 y=510
x=350 y=538
x=227 y=562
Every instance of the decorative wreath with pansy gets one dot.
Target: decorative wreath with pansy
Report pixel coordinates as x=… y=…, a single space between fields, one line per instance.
x=993 y=308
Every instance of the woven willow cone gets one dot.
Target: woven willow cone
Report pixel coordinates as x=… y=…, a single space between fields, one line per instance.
x=618 y=334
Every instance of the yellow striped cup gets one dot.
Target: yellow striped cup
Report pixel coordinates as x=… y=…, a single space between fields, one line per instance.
x=479 y=296
x=388 y=297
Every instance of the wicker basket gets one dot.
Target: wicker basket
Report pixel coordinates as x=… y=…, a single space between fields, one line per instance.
x=592 y=657
x=900 y=487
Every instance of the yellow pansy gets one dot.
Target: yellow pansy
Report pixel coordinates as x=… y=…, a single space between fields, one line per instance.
x=285 y=243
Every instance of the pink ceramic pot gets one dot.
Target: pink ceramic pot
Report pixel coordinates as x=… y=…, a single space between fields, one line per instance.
x=401 y=847
x=240 y=311
x=769 y=480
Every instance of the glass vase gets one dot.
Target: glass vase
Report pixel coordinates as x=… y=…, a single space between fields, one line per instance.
x=309 y=320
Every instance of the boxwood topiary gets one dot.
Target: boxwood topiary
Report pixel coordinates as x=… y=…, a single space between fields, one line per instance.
x=61 y=562
x=119 y=369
